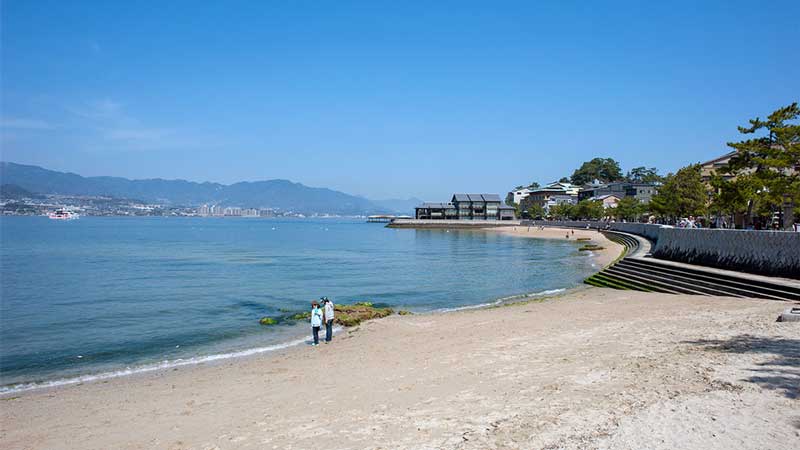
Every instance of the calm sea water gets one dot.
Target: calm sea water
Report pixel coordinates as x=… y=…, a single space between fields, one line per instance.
x=108 y=296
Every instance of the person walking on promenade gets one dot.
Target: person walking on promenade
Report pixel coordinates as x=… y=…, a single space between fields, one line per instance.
x=328 y=316
x=316 y=321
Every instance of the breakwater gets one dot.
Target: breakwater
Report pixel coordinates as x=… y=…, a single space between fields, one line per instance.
x=771 y=253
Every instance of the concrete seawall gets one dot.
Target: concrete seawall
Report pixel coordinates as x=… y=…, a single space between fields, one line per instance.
x=772 y=253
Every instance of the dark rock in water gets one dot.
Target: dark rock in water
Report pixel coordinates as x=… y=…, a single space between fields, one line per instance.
x=403 y=312
x=267 y=321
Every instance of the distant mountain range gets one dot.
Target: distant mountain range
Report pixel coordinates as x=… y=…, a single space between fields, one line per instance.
x=282 y=194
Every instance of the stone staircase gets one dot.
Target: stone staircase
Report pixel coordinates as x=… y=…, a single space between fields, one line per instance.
x=630 y=243
x=650 y=275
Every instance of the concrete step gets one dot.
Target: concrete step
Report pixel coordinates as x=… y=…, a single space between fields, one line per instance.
x=713 y=287
x=741 y=285
x=619 y=283
x=664 y=284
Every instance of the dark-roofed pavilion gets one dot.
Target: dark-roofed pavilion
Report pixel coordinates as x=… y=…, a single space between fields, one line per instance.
x=467 y=207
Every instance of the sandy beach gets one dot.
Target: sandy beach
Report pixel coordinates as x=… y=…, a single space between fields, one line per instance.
x=611 y=250
x=593 y=368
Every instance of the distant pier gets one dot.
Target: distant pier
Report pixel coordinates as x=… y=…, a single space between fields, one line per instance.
x=385 y=218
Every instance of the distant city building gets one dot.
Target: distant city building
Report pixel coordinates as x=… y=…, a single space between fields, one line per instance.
x=467 y=207
x=608 y=200
x=520 y=195
x=643 y=192
x=717 y=165
x=233 y=211
x=551 y=195
x=250 y=212
x=204 y=210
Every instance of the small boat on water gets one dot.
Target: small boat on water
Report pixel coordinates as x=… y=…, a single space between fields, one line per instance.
x=62 y=214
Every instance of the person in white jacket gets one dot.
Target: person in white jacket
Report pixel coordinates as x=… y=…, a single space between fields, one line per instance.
x=316 y=321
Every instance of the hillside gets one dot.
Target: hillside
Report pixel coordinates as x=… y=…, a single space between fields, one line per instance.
x=282 y=194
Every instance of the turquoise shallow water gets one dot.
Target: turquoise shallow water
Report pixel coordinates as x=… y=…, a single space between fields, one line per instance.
x=119 y=295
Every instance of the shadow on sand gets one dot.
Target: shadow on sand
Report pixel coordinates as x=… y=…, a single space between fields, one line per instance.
x=781 y=373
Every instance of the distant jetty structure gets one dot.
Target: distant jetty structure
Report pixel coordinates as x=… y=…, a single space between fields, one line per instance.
x=385 y=218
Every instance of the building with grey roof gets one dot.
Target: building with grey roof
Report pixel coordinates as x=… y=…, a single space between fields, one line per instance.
x=467 y=207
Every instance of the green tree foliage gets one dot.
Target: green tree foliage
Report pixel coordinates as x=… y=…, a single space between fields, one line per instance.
x=731 y=197
x=510 y=198
x=535 y=211
x=644 y=175
x=562 y=211
x=629 y=208
x=564 y=180
x=765 y=167
x=589 y=209
x=603 y=169
x=682 y=194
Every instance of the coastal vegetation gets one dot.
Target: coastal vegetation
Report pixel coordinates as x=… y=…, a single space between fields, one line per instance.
x=603 y=169
x=584 y=209
x=760 y=181
x=760 y=178
x=764 y=174
x=682 y=194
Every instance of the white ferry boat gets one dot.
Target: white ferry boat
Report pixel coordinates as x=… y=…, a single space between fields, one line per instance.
x=62 y=214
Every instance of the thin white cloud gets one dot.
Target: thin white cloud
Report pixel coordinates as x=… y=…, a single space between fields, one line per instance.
x=105 y=109
x=136 y=134
x=24 y=124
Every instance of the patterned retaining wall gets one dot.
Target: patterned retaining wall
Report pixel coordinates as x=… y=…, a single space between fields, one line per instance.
x=773 y=253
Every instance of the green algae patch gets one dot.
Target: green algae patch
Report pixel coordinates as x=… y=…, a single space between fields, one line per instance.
x=267 y=321
x=590 y=247
x=306 y=315
x=352 y=315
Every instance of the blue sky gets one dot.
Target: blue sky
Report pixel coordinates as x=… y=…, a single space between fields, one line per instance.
x=386 y=99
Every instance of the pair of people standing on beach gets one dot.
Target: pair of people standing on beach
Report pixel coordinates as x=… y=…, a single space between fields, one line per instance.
x=320 y=315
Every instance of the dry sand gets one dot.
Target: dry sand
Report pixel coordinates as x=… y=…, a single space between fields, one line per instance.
x=594 y=368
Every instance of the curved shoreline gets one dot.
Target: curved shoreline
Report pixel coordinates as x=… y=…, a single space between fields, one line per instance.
x=133 y=371
x=51 y=385
x=610 y=252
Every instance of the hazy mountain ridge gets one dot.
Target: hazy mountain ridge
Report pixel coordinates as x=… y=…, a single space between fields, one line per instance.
x=283 y=194
x=399 y=205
